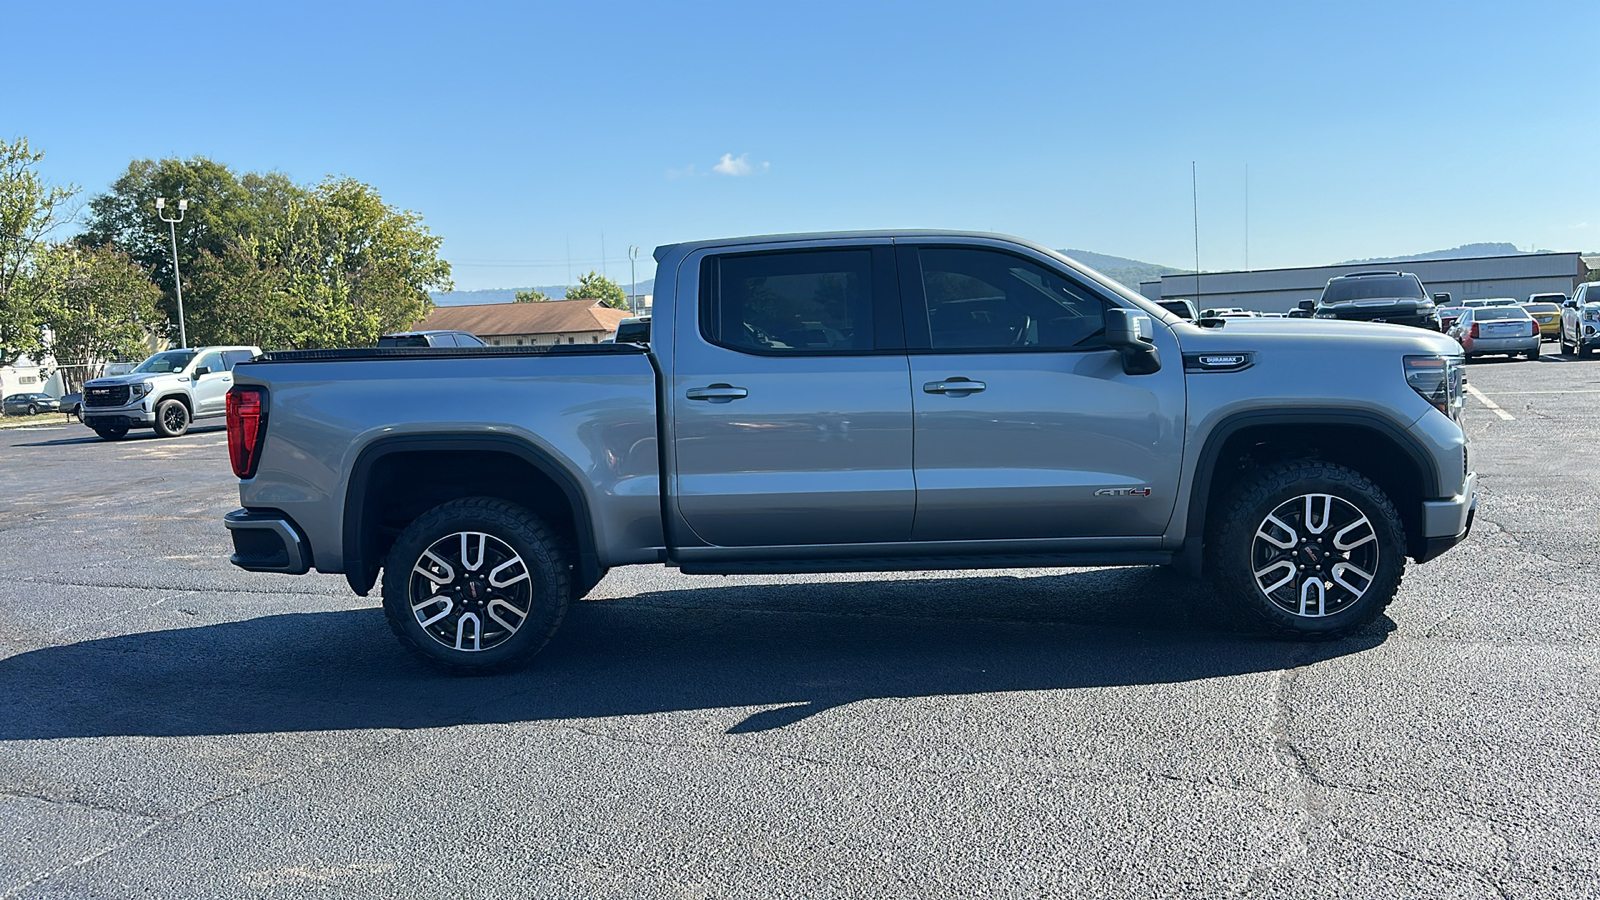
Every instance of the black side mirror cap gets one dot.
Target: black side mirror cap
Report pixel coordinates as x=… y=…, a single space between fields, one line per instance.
x=1132 y=334
x=202 y=371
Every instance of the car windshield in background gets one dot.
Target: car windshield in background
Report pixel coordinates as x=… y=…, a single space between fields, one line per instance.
x=1397 y=287
x=162 y=363
x=1541 y=307
x=1452 y=311
x=1500 y=312
x=409 y=340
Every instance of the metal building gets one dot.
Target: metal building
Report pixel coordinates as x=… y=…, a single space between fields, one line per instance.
x=1278 y=290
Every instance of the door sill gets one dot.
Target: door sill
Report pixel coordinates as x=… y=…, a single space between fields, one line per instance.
x=927 y=563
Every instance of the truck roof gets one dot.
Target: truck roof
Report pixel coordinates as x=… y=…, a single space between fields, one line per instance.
x=690 y=246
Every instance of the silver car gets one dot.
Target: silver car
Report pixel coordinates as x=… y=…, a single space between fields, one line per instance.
x=1497 y=329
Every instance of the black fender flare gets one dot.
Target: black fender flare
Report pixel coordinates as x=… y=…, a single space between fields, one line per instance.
x=1189 y=556
x=362 y=572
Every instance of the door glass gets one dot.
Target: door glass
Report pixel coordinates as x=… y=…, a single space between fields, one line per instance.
x=212 y=361
x=792 y=303
x=987 y=300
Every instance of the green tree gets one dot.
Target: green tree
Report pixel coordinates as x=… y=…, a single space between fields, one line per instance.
x=96 y=305
x=595 y=286
x=30 y=209
x=531 y=295
x=271 y=263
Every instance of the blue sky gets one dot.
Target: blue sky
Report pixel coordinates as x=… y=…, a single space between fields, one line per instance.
x=522 y=130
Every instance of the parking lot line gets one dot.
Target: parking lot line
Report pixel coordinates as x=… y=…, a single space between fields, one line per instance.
x=1519 y=393
x=1493 y=406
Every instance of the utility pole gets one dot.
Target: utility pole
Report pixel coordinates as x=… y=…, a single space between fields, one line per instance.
x=633 y=277
x=177 y=277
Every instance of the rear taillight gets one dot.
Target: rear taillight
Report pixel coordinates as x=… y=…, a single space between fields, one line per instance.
x=1535 y=324
x=247 y=428
x=1474 y=334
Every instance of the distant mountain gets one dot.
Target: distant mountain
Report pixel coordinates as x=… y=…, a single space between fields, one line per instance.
x=1127 y=272
x=509 y=295
x=1465 y=251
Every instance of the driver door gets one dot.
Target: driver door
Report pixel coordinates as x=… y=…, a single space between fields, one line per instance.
x=210 y=391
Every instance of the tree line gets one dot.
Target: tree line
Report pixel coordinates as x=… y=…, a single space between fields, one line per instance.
x=264 y=261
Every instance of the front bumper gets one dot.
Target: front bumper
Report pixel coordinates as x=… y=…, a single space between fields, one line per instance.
x=265 y=540
x=1446 y=523
x=133 y=415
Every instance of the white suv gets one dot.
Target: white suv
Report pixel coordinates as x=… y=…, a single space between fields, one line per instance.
x=1580 y=320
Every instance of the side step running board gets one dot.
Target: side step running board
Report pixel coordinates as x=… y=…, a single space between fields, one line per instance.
x=926 y=563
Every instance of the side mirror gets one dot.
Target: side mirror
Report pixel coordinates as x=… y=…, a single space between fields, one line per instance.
x=202 y=371
x=1441 y=299
x=1132 y=334
x=1307 y=305
x=1570 y=304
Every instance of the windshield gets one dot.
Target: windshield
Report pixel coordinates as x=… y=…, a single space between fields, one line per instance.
x=163 y=363
x=1406 y=287
x=1499 y=312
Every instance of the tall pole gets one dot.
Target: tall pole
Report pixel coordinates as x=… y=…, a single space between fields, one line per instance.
x=633 y=277
x=177 y=277
x=1247 y=217
x=1194 y=183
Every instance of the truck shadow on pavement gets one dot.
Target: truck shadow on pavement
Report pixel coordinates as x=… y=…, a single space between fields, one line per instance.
x=793 y=650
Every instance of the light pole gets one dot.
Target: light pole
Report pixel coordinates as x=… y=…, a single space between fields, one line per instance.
x=177 y=277
x=633 y=276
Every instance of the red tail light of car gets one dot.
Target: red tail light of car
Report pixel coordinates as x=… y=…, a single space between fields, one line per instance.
x=247 y=428
x=1474 y=333
x=1535 y=324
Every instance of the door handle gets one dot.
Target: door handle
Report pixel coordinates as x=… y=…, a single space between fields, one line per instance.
x=717 y=393
x=960 y=387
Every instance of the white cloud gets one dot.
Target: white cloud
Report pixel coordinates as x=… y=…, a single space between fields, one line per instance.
x=737 y=165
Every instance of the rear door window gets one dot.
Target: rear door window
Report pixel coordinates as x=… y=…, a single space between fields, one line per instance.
x=790 y=303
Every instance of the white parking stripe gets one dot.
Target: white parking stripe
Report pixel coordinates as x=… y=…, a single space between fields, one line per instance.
x=1493 y=406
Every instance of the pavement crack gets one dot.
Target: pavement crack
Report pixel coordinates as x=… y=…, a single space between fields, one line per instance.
x=76 y=804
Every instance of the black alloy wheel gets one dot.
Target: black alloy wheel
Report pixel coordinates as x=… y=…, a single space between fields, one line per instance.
x=172 y=418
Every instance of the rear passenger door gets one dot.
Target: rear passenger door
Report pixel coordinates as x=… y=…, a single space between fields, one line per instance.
x=1026 y=425
x=791 y=405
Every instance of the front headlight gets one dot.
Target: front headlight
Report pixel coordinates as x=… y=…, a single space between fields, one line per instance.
x=138 y=389
x=1441 y=380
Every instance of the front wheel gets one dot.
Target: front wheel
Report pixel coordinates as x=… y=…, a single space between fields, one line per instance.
x=477 y=585
x=1310 y=550
x=172 y=418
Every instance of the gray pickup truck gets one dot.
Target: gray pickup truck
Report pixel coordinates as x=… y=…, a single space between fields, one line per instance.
x=858 y=402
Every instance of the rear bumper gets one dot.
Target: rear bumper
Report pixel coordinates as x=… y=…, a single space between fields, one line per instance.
x=266 y=540
x=1503 y=345
x=1446 y=523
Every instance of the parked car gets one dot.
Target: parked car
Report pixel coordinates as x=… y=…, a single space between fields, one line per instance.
x=30 y=404
x=1448 y=317
x=1548 y=315
x=1221 y=312
x=632 y=330
x=1481 y=302
x=1580 y=320
x=431 y=339
x=1050 y=417
x=1393 y=297
x=1183 y=309
x=72 y=404
x=1557 y=298
x=1497 y=329
x=167 y=392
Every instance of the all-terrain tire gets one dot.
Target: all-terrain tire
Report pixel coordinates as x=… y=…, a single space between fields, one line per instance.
x=1246 y=545
x=111 y=432
x=414 y=594
x=172 y=418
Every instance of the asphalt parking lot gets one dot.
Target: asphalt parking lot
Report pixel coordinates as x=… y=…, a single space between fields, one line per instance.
x=173 y=727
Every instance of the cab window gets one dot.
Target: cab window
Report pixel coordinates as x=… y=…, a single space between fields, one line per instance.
x=979 y=299
x=789 y=303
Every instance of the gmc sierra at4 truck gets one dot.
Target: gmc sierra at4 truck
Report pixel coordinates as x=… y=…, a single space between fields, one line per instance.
x=168 y=392
x=856 y=402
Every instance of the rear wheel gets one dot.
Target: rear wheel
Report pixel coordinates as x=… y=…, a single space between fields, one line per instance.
x=477 y=585
x=111 y=432
x=1309 y=550
x=1534 y=353
x=33 y=409
x=172 y=418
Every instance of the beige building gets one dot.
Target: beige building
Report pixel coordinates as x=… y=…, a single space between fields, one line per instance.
x=529 y=324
